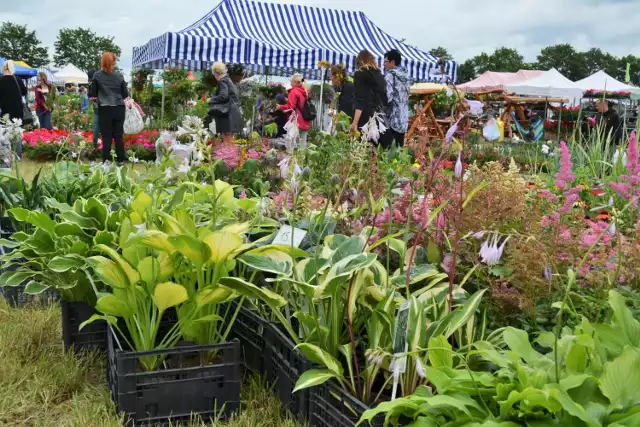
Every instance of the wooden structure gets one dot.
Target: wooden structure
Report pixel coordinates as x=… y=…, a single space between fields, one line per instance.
x=517 y=104
x=424 y=118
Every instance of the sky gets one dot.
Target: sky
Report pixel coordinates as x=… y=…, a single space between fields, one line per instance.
x=465 y=27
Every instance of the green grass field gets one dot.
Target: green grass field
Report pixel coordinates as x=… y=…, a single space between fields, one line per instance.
x=42 y=386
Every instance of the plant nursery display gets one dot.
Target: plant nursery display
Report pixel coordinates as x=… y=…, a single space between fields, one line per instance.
x=456 y=283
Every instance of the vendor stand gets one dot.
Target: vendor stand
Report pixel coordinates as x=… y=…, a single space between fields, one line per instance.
x=425 y=121
x=514 y=113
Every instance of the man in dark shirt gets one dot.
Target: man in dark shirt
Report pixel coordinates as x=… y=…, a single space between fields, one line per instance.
x=611 y=121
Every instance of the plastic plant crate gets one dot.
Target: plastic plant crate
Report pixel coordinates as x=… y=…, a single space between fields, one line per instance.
x=249 y=328
x=330 y=406
x=16 y=297
x=92 y=336
x=187 y=385
x=283 y=367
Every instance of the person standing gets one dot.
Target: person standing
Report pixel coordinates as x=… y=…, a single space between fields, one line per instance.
x=224 y=106
x=111 y=91
x=611 y=121
x=12 y=89
x=398 y=87
x=43 y=90
x=345 y=89
x=96 y=112
x=296 y=100
x=84 y=104
x=370 y=90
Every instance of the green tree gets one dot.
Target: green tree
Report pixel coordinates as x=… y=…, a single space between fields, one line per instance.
x=82 y=48
x=466 y=71
x=595 y=60
x=634 y=63
x=20 y=44
x=564 y=58
x=441 y=52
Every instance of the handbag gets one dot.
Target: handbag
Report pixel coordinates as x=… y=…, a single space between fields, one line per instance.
x=133 y=122
x=27 y=115
x=219 y=110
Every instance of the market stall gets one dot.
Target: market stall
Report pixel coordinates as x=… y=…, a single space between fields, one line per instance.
x=70 y=74
x=492 y=81
x=21 y=71
x=603 y=82
x=550 y=84
x=528 y=115
x=425 y=120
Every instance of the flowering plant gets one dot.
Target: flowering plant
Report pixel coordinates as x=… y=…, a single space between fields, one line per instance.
x=595 y=93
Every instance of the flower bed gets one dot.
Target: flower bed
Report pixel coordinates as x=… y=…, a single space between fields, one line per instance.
x=595 y=93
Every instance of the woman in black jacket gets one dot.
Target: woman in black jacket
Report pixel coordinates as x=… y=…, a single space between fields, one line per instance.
x=224 y=106
x=12 y=89
x=111 y=91
x=370 y=90
x=346 y=90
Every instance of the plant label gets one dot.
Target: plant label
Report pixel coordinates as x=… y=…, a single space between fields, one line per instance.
x=287 y=234
x=400 y=344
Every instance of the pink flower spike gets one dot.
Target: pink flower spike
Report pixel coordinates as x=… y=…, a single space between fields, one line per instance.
x=564 y=175
x=632 y=155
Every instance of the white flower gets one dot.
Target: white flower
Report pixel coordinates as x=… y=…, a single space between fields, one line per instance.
x=457 y=170
x=141 y=228
x=284 y=167
x=467 y=175
x=297 y=170
x=263 y=206
x=150 y=188
x=419 y=368
x=449 y=93
x=73 y=155
x=184 y=167
x=167 y=173
x=490 y=253
x=612 y=229
x=617 y=155
x=545 y=149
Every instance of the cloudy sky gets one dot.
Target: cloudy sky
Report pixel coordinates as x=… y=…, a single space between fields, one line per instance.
x=465 y=27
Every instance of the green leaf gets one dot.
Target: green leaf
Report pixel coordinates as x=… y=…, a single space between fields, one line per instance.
x=168 y=294
x=398 y=405
x=109 y=272
x=15 y=278
x=518 y=342
x=623 y=317
x=313 y=378
x=574 y=408
x=192 y=248
x=241 y=287
x=130 y=272
x=398 y=246
x=82 y=221
x=460 y=316
x=433 y=253
x=209 y=318
x=110 y=319
x=104 y=238
x=473 y=192
x=68 y=229
x=149 y=269
x=19 y=214
x=212 y=295
x=620 y=382
x=141 y=203
x=41 y=220
x=268 y=264
x=62 y=264
x=35 y=288
x=152 y=238
x=440 y=354
x=317 y=355
x=112 y=305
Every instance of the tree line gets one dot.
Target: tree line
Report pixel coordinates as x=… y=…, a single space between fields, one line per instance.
x=83 y=47
x=573 y=64
x=78 y=46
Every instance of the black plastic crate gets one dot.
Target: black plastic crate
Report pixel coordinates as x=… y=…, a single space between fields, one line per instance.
x=16 y=297
x=330 y=406
x=187 y=386
x=92 y=336
x=249 y=328
x=283 y=366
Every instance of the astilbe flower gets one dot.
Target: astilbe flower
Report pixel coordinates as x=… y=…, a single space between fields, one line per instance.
x=564 y=175
x=629 y=187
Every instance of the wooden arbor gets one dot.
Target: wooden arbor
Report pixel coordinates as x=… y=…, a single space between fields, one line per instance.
x=424 y=119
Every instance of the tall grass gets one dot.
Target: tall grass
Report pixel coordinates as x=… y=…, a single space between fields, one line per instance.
x=42 y=386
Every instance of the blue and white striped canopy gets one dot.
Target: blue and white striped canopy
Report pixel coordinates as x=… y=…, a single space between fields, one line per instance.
x=281 y=39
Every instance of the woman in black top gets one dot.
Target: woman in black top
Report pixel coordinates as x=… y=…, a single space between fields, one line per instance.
x=370 y=90
x=224 y=106
x=12 y=89
x=345 y=88
x=109 y=87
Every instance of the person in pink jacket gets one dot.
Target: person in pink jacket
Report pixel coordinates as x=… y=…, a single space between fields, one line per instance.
x=298 y=96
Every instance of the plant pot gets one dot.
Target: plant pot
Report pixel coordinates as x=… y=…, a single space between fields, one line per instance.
x=190 y=385
x=92 y=336
x=283 y=366
x=249 y=328
x=330 y=406
x=16 y=297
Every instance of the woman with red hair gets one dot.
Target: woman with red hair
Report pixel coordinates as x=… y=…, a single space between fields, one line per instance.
x=110 y=90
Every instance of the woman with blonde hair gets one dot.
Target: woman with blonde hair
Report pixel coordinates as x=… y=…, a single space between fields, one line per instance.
x=370 y=90
x=42 y=91
x=12 y=89
x=345 y=89
x=224 y=106
x=110 y=90
x=298 y=97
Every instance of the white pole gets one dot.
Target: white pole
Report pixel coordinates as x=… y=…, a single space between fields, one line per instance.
x=162 y=109
x=324 y=71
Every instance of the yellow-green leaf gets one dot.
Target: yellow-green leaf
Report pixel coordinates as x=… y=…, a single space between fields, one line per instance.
x=313 y=378
x=112 y=305
x=141 y=203
x=149 y=269
x=109 y=272
x=168 y=294
x=212 y=296
x=130 y=272
x=195 y=250
x=222 y=244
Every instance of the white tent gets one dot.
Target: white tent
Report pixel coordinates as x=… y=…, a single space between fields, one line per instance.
x=550 y=84
x=70 y=74
x=602 y=81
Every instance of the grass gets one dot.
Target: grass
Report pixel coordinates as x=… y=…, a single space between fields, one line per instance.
x=40 y=385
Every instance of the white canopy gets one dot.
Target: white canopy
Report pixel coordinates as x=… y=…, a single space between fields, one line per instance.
x=70 y=74
x=550 y=84
x=601 y=81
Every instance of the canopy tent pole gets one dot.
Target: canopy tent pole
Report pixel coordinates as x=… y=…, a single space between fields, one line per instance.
x=321 y=116
x=162 y=108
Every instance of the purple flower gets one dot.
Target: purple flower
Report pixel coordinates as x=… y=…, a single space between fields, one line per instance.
x=452 y=130
x=547 y=272
x=490 y=252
